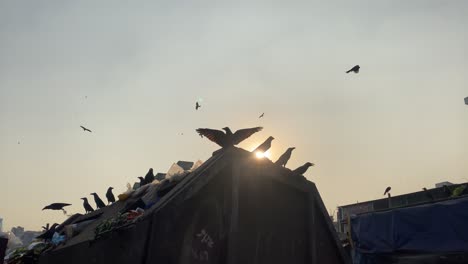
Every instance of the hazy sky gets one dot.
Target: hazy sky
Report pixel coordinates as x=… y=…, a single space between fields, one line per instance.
x=142 y=65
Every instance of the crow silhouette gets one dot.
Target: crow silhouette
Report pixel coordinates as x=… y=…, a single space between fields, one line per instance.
x=110 y=196
x=56 y=206
x=197 y=105
x=466 y=100
x=354 y=69
x=85 y=129
x=227 y=139
x=149 y=177
x=387 y=190
x=261 y=115
x=302 y=169
x=99 y=203
x=284 y=158
x=142 y=181
x=266 y=145
x=87 y=206
x=47 y=235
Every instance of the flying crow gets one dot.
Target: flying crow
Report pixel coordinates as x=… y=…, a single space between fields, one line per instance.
x=57 y=206
x=47 y=235
x=227 y=139
x=261 y=115
x=302 y=169
x=99 y=203
x=86 y=205
x=283 y=159
x=265 y=146
x=197 y=105
x=85 y=129
x=387 y=190
x=110 y=196
x=149 y=177
x=354 y=69
x=466 y=100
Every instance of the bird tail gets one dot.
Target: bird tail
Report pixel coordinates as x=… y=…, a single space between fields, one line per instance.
x=348 y=71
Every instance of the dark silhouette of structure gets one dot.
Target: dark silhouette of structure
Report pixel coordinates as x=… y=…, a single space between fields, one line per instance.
x=99 y=203
x=110 y=196
x=387 y=190
x=284 y=158
x=85 y=129
x=86 y=205
x=428 y=194
x=227 y=139
x=302 y=169
x=56 y=206
x=354 y=69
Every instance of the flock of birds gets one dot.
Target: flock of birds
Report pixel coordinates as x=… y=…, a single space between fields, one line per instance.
x=224 y=139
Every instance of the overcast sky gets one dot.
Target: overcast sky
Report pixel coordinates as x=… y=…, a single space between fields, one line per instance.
x=400 y=122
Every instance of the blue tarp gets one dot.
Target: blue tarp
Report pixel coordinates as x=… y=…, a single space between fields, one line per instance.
x=430 y=228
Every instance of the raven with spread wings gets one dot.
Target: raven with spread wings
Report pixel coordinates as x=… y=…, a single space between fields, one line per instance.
x=227 y=139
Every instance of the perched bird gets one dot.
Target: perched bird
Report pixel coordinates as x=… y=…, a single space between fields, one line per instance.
x=142 y=181
x=110 y=196
x=265 y=146
x=197 y=105
x=284 y=158
x=302 y=169
x=47 y=235
x=87 y=206
x=149 y=177
x=227 y=139
x=99 y=203
x=85 y=129
x=261 y=115
x=354 y=69
x=56 y=206
x=387 y=190
x=428 y=194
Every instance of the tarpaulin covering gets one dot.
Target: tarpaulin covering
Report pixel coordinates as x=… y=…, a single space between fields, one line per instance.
x=430 y=228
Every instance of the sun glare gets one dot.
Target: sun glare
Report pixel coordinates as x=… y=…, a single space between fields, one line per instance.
x=262 y=155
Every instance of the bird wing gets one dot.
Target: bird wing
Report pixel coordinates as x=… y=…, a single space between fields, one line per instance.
x=242 y=134
x=84 y=128
x=214 y=135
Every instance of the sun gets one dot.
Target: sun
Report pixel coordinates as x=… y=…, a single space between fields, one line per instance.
x=262 y=155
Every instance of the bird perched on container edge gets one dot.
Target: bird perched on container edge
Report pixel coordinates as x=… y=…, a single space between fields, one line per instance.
x=86 y=205
x=227 y=139
x=354 y=69
x=302 y=169
x=284 y=158
x=47 y=235
x=142 y=181
x=265 y=146
x=56 y=206
x=149 y=177
x=99 y=203
x=387 y=190
x=110 y=196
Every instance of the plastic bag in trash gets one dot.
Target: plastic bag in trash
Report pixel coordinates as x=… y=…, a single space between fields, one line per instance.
x=57 y=239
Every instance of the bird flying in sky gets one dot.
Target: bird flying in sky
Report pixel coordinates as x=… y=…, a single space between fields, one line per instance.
x=227 y=139
x=197 y=105
x=387 y=190
x=354 y=69
x=302 y=169
x=85 y=129
x=466 y=100
x=284 y=158
x=261 y=115
x=56 y=206
x=265 y=146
